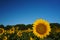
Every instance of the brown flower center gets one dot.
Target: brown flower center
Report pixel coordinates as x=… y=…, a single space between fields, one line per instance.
x=41 y=28
x=1 y=31
x=19 y=34
x=12 y=30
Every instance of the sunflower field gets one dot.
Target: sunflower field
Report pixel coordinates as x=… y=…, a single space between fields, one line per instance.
x=39 y=30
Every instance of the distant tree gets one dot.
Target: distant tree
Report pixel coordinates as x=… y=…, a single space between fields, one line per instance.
x=55 y=24
x=1 y=26
x=29 y=26
x=8 y=27
x=21 y=26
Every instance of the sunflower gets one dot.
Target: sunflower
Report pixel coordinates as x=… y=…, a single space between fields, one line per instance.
x=57 y=30
x=5 y=38
x=12 y=30
x=1 y=31
x=29 y=30
x=41 y=28
x=19 y=33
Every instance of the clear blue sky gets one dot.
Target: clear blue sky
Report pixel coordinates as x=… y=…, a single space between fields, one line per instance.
x=27 y=11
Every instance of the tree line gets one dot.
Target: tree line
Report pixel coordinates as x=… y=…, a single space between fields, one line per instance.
x=24 y=27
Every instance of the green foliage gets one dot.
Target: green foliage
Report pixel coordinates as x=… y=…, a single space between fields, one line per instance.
x=26 y=35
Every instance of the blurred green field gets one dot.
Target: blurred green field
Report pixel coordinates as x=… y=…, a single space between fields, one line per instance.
x=26 y=32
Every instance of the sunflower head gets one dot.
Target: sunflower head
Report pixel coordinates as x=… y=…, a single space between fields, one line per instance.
x=19 y=33
x=41 y=28
x=1 y=31
x=5 y=38
x=12 y=30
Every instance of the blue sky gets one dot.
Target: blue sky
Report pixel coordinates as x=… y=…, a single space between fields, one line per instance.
x=27 y=11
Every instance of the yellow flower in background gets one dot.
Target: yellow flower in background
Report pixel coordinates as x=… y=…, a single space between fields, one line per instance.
x=12 y=30
x=57 y=30
x=29 y=30
x=41 y=28
x=5 y=38
x=1 y=31
x=31 y=38
x=19 y=33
